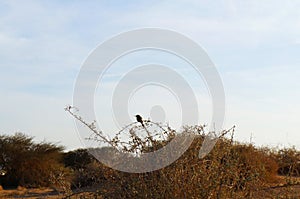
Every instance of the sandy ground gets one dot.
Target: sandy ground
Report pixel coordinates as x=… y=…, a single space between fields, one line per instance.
x=272 y=191
x=30 y=193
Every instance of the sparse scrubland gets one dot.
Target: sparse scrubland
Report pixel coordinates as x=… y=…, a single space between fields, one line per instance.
x=231 y=170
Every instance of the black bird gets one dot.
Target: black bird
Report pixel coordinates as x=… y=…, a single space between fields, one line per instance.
x=140 y=120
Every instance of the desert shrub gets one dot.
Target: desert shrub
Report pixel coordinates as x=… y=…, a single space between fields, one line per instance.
x=77 y=159
x=28 y=164
x=230 y=170
x=86 y=171
x=289 y=162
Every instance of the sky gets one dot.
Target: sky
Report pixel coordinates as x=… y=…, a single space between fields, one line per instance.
x=254 y=45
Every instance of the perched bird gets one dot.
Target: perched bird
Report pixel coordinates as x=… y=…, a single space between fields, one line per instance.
x=139 y=119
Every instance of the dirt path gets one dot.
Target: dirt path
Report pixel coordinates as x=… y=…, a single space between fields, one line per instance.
x=273 y=191
x=30 y=193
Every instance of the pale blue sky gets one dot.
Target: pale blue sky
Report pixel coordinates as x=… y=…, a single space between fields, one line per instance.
x=255 y=46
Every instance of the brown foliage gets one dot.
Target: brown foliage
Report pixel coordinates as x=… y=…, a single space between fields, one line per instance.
x=289 y=162
x=26 y=163
x=230 y=170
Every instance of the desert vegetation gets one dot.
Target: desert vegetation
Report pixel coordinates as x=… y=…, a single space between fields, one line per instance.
x=231 y=170
x=29 y=164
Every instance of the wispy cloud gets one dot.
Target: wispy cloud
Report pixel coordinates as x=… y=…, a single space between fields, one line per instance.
x=254 y=44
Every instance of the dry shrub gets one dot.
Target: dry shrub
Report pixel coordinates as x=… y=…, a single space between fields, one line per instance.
x=289 y=162
x=230 y=170
x=92 y=174
x=26 y=163
x=86 y=170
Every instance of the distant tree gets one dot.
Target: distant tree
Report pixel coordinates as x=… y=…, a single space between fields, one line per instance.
x=78 y=158
x=87 y=171
x=27 y=163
